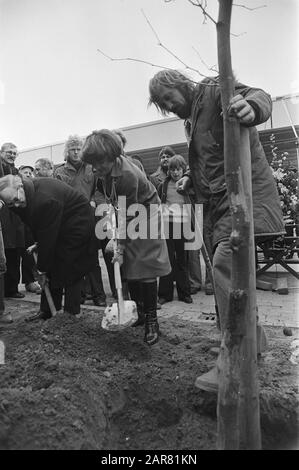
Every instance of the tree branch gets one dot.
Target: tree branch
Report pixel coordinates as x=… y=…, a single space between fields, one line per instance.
x=248 y=8
x=213 y=69
x=203 y=8
x=133 y=60
x=187 y=67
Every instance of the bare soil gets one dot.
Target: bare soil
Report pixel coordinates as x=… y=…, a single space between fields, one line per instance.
x=69 y=384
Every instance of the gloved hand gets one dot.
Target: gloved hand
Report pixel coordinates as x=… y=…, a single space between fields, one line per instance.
x=183 y=184
x=42 y=279
x=31 y=249
x=110 y=247
x=118 y=255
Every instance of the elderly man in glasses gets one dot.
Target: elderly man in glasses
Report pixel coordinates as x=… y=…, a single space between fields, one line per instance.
x=13 y=228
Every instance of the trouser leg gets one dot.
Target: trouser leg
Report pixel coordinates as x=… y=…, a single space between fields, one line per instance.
x=222 y=277
x=2 y=306
x=96 y=283
x=181 y=273
x=27 y=268
x=72 y=298
x=12 y=275
x=194 y=269
x=166 y=283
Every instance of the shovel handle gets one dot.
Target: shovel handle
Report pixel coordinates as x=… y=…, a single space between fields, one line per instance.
x=50 y=300
x=118 y=285
x=47 y=292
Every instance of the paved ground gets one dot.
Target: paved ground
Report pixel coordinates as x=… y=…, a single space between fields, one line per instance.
x=274 y=309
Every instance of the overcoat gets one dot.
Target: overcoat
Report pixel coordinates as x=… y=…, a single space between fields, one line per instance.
x=206 y=161
x=12 y=226
x=62 y=224
x=145 y=256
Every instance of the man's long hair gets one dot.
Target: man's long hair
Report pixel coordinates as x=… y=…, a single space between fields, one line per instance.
x=170 y=79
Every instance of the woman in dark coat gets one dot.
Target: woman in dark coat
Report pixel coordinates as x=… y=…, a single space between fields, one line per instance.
x=143 y=255
x=62 y=224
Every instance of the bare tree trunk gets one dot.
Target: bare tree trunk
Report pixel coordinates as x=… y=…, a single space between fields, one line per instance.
x=238 y=401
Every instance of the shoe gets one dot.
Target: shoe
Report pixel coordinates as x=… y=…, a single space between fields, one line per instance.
x=163 y=301
x=151 y=332
x=187 y=299
x=208 y=381
x=194 y=290
x=99 y=302
x=38 y=316
x=209 y=289
x=16 y=295
x=33 y=287
x=76 y=315
x=5 y=319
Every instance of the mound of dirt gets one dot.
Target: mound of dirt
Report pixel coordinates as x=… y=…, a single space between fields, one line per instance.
x=69 y=384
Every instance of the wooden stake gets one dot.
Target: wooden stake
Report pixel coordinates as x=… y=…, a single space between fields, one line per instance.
x=238 y=401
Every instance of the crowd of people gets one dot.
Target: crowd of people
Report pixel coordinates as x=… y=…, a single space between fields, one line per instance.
x=55 y=209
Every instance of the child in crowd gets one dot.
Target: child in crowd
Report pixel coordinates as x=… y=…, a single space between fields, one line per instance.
x=176 y=217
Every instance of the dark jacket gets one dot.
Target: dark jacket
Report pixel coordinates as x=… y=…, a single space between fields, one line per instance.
x=82 y=179
x=206 y=161
x=144 y=258
x=62 y=223
x=12 y=226
x=157 y=177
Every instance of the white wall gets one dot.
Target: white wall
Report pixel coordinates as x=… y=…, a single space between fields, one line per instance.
x=168 y=131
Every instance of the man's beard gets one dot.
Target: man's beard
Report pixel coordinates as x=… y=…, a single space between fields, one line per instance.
x=184 y=111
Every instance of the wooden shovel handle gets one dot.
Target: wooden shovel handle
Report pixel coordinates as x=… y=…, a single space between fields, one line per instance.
x=47 y=292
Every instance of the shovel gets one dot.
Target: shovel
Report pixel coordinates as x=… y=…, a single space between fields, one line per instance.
x=205 y=253
x=122 y=314
x=47 y=293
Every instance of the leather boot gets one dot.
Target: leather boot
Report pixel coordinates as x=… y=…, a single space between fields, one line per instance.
x=135 y=290
x=149 y=291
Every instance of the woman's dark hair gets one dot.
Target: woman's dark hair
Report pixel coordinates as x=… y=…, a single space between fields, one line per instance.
x=101 y=144
x=177 y=161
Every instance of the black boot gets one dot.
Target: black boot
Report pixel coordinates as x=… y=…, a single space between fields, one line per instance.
x=136 y=295
x=149 y=291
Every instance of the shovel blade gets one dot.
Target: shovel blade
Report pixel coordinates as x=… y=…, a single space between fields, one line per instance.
x=112 y=321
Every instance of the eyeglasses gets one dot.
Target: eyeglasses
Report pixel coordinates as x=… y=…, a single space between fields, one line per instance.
x=11 y=152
